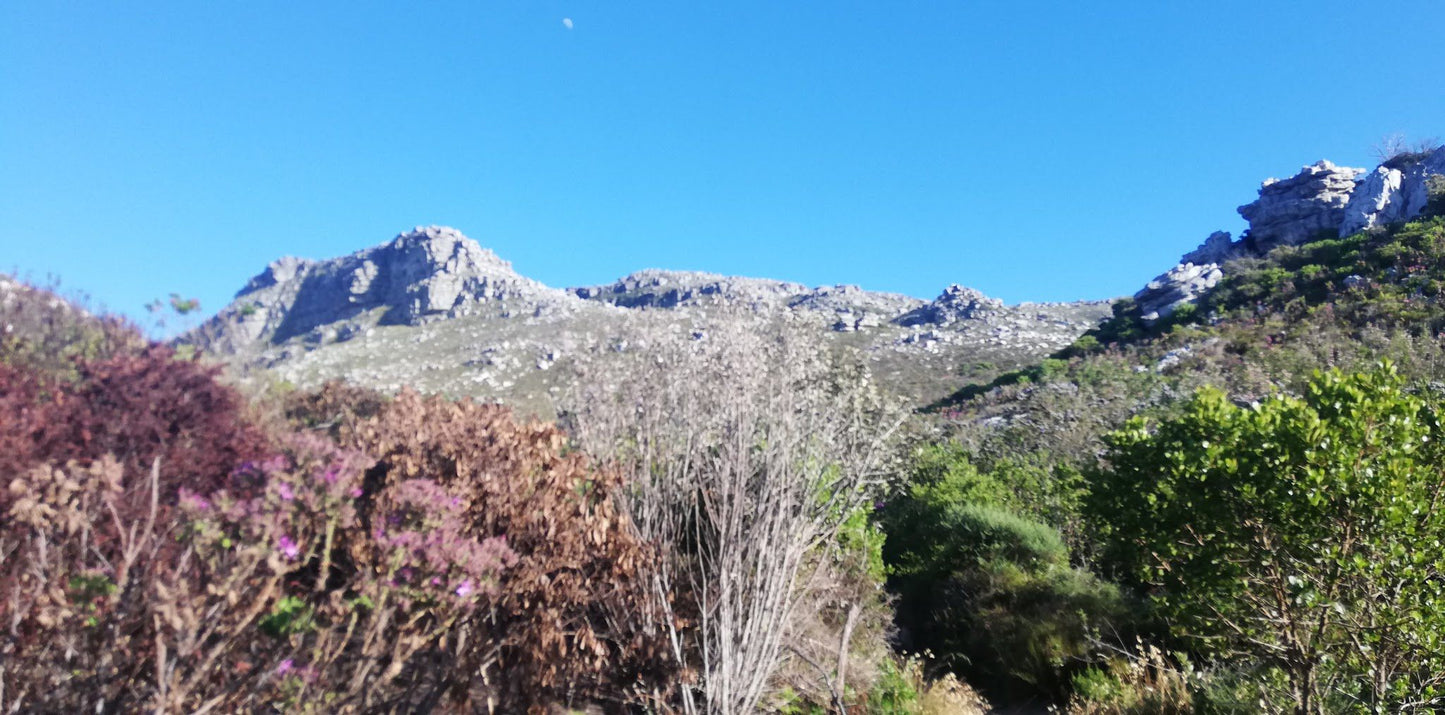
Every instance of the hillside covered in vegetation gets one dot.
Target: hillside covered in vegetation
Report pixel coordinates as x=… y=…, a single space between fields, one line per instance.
x=1238 y=503
x=1226 y=501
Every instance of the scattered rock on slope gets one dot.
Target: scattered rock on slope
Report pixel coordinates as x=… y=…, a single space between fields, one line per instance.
x=433 y=309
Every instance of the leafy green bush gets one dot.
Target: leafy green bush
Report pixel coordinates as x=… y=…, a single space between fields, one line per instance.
x=1303 y=535
x=991 y=592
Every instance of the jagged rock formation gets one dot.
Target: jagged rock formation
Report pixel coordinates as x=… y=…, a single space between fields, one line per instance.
x=1216 y=249
x=1179 y=286
x=1297 y=209
x=1395 y=191
x=839 y=305
x=1322 y=199
x=433 y=309
x=421 y=274
x=954 y=304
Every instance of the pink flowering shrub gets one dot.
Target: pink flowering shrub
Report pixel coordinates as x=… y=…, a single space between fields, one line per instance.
x=235 y=602
x=161 y=551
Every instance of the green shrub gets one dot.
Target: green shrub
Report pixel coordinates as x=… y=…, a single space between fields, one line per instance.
x=1330 y=501
x=1143 y=683
x=989 y=591
x=893 y=693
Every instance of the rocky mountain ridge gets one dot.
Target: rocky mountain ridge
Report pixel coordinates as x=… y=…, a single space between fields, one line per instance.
x=1322 y=199
x=434 y=309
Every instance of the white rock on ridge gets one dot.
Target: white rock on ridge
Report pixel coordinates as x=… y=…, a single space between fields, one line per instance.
x=422 y=274
x=1395 y=191
x=1218 y=248
x=1180 y=285
x=654 y=288
x=1295 y=210
x=1321 y=198
x=954 y=304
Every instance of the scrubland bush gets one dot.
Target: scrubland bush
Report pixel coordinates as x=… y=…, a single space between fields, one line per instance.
x=574 y=616
x=139 y=406
x=161 y=551
x=1146 y=682
x=747 y=454
x=990 y=592
x=1301 y=536
x=40 y=330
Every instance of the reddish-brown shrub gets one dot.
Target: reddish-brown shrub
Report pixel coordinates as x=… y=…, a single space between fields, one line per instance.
x=137 y=406
x=23 y=417
x=158 y=551
x=333 y=405
x=571 y=620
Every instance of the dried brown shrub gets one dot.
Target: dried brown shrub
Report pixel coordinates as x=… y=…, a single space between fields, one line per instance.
x=572 y=620
x=335 y=404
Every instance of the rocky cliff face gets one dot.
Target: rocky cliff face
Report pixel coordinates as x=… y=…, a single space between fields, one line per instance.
x=1321 y=200
x=427 y=273
x=1395 y=191
x=433 y=309
x=1296 y=209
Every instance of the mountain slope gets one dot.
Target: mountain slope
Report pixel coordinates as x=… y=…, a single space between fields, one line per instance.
x=433 y=309
x=1272 y=312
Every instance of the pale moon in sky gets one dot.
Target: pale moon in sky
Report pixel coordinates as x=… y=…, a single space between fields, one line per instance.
x=567 y=22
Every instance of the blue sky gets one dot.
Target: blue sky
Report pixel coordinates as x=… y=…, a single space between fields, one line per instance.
x=1032 y=150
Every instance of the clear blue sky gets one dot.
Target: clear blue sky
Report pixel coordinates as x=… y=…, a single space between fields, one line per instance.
x=1033 y=150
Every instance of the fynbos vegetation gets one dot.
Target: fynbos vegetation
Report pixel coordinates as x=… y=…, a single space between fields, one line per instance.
x=1227 y=498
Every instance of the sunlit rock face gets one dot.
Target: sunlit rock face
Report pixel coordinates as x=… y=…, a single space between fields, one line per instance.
x=421 y=274
x=1298 y=209
x=1395 y=191
x=1321 y=200
x=1179 y=286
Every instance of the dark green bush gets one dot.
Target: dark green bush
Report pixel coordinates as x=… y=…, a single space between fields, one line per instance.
x=987 y=590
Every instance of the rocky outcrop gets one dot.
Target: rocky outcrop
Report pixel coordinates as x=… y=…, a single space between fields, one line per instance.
x=1397 y=190
x=1321 y=199
x=954 y=304
x=654 y=288
x=429 y=271
x=844 y=307
x=1216 y=249
x=1297 y=209
x=1179 y=286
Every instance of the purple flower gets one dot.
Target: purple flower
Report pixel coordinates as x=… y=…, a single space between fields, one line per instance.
x=193 y=501
x=329 y=476
x=464 y=589
x=356 y=492
x=284 y=490
x=288 y=548
x=285 y=667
